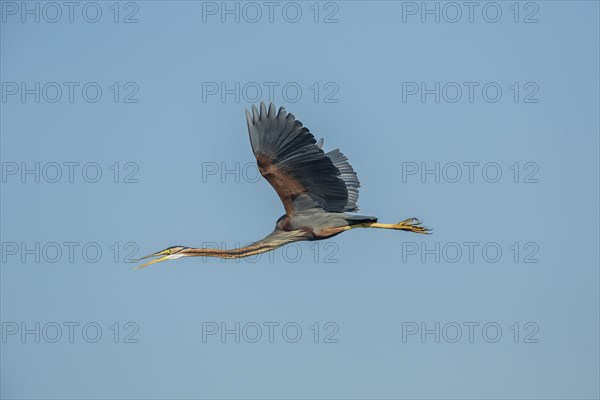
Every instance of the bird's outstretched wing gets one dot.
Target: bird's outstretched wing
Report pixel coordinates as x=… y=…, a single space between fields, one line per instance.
x=290 y=160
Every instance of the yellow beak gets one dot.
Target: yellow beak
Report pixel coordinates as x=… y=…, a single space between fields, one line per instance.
x=157 y=260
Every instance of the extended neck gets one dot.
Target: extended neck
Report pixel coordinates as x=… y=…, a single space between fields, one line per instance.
x=272 y=241
x=240 y=252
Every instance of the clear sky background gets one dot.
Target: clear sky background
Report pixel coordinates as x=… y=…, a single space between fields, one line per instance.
x=371 y=292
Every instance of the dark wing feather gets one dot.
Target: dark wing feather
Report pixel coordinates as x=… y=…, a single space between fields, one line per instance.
x=348 y=176
x=289 y=158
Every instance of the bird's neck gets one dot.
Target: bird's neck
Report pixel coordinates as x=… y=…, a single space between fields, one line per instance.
x=239 y=252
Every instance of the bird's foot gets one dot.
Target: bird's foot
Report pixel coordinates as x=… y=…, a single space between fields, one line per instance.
x=412 y=225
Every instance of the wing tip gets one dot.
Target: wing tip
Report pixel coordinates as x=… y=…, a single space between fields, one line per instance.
x=255 y=114
x=272 y=110
x=261 y=112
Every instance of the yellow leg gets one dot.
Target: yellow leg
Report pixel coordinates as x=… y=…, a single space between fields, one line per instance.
x=410 y=225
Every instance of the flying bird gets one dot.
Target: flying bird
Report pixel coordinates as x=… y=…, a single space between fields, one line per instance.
x=318 y=190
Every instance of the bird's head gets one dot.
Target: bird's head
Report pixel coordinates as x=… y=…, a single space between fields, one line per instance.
x=170 y=253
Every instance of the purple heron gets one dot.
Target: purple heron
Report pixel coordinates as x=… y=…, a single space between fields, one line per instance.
x=317 y=189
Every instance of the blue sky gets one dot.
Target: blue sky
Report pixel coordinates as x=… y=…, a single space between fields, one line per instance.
x=123 y=132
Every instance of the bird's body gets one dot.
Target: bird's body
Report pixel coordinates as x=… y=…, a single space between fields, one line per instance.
x=320 y=224
x=319 y=190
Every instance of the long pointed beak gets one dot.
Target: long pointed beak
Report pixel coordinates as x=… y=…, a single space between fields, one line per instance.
x=150 y=255
x=152 y=261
